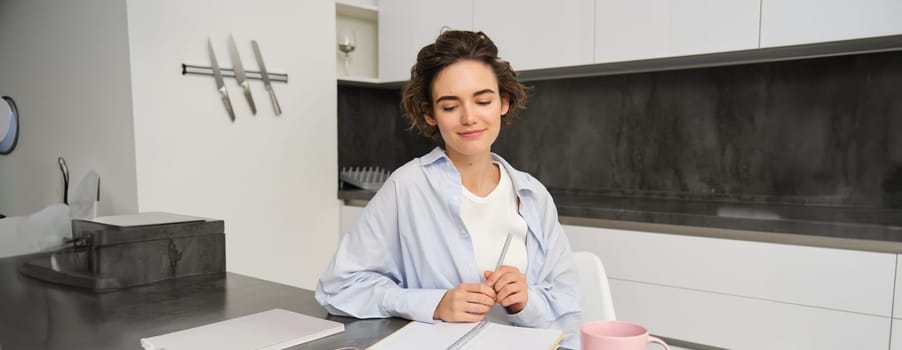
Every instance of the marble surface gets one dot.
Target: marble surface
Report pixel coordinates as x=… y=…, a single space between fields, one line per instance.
x=814 y=132
x=854 y=223
x=808 y=132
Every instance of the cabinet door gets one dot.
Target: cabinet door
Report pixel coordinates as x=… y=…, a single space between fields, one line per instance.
x=405 y=26
x=734 y=322
x=836 y=279
x=793 y=22
x=897 y=295
x=896 y=335
x=633 y=30
x=539 y=34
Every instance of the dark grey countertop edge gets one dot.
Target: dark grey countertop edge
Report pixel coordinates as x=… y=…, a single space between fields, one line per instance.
x=825 y=234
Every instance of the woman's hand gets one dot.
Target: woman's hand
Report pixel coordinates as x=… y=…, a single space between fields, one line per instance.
x=468 y=302
x=510 y=287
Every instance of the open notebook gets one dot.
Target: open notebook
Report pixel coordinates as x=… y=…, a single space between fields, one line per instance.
x=268 y=330
x=441 y=335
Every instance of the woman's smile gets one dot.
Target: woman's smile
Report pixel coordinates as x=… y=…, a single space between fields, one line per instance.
x=471 y=134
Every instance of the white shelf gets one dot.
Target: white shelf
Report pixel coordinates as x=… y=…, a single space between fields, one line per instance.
x=359 y=17
x=356 y=10
x=369 y=82
x=364 y=80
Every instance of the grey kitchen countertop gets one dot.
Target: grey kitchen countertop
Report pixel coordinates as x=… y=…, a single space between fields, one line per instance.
x=36 y=315
x=878 y=230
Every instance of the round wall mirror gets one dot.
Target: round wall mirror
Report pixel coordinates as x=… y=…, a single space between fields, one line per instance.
x=9 y=125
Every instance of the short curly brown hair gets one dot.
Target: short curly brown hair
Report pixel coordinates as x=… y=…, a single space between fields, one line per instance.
x=450 y=47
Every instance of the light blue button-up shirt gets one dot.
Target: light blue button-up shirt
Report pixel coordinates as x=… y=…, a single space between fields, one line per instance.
x=410 y=246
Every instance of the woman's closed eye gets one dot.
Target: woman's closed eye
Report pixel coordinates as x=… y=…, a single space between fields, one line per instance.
x=452 y=107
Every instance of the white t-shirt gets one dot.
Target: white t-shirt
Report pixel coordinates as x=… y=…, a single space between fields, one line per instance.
x=489 y=219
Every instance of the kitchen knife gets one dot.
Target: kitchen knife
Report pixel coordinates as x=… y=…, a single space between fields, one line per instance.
x=239 y=74
x=266 y=82
x=220 y=85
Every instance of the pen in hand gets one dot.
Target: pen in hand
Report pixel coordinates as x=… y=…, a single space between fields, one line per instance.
x=475 y=330
x=441 y=311
x=513 y=299
x=507 y=243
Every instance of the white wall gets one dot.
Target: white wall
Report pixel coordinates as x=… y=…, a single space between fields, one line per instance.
x=272 y=179
x=66 y=65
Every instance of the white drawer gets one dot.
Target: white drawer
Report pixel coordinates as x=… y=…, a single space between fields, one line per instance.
x=896 y=337
x=745 y=323
x=823 y=277
x=897 y=306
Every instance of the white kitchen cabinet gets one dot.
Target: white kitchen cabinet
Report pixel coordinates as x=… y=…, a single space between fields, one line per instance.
x=628 y=30
x=897 y=305
x=746 y=295
x=838 y=279
x=734 y=322
x=355 y=23
x=539 y=34
x=405 y=26
x=896 y=335
x=793 y=22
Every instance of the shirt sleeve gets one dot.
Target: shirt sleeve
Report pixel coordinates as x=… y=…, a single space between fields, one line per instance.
x=553 y=300
x=364 y=279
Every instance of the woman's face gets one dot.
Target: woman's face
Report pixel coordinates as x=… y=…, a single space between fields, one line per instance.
x=467 y=108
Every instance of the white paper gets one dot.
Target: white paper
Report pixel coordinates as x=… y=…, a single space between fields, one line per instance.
x=149 y=218
x=83 y=197
x=44 y=230
x=268 y=330
x=440 y=335
x=12 y=242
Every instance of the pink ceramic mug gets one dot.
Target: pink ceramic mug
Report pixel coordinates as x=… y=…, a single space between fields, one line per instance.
x=616 y=335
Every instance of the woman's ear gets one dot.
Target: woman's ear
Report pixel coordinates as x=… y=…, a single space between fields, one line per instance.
x=429 y=120
x=505 y=105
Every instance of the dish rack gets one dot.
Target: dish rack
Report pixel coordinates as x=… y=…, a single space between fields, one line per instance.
x=368 y=178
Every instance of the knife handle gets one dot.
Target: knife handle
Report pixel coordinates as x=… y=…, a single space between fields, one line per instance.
x=275 y=102
x=228 y=105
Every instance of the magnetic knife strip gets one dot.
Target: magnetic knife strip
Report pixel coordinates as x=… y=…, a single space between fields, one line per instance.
x=240 y=74
x=230 y=73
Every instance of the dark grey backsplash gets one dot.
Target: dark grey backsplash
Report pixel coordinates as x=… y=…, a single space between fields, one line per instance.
x=825 y=131
x=372 y=130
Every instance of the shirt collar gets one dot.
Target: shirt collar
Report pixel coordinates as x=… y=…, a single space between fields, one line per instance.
x=522 y=182
x=433 y=157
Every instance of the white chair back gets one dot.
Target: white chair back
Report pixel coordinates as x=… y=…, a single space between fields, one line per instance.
x=594 y=288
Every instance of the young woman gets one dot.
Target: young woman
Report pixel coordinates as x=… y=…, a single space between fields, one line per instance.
x=428 y=242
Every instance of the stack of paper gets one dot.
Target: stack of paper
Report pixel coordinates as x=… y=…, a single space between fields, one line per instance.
x=419 y=335
x=268 y=330
x=148 y=218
